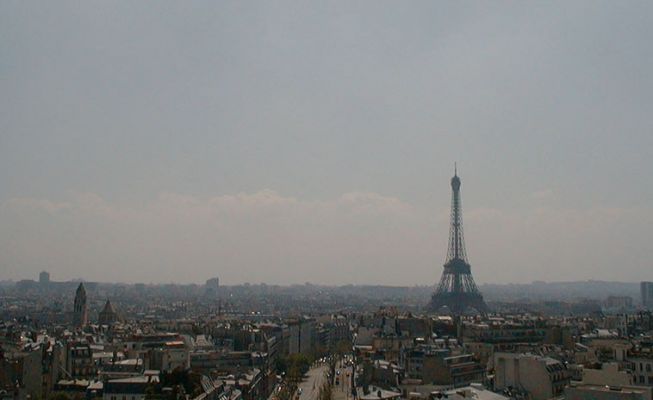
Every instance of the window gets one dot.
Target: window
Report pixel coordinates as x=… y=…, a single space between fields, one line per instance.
x=648 y=367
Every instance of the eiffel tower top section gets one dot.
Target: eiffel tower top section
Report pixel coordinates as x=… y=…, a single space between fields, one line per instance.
x=456 y=249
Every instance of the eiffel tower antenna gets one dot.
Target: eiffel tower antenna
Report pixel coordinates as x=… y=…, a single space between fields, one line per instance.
x=457 y=289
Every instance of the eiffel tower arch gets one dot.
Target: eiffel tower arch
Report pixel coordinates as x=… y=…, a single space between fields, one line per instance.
x=457 y=290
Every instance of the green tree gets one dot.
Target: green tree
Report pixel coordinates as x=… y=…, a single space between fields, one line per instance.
x=293 y=364
x=343 y=347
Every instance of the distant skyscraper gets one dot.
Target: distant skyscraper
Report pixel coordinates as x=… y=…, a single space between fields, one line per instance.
x=44 y=278
x=211 y=287
x=80 y=314
x=646 y=289
x=457 y=290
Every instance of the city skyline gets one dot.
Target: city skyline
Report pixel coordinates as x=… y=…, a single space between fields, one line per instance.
x=245 y=141
x=251 y=200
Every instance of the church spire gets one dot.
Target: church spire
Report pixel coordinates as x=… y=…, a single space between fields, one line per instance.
x=80 y=311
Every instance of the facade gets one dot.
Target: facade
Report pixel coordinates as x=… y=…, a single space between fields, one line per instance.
x=333 y=333
x=457 y=371
x=607 y=392
x=226 y=362
x=457 y=290
x=302 y=335
x=251 y=384
x=133 y=388
x=439 y=365
x=609 y=374
x=504 y=333
x=538 y=377
x=619 y=303
x=80 y=312
x=79 y=361
x=172 y=356
x=642 y=369
x=22 y=371
x=461 y=370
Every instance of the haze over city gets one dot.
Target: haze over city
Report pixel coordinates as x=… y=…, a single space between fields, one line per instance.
x=342 y=200
x=289 y=142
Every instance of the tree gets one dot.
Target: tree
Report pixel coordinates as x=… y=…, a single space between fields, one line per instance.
x=293 y=364
x=343 y=347
x=325 y=392
x=59 y=396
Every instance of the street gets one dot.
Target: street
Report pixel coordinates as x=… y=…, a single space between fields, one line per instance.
x=342 y=391
x=310 y=386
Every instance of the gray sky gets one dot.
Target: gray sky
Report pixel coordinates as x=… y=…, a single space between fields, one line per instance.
x=314 y=141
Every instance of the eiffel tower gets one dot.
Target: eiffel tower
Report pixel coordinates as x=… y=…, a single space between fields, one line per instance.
x=457 y=290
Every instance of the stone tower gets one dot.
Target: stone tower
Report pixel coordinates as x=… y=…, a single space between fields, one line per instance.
x=80 y=313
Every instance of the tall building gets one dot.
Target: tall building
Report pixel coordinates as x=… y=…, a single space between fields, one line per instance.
x=646 y=289
x=80 y=311
x=211 y=287
x=301 y=335
x=44 y=278
x=457 y=290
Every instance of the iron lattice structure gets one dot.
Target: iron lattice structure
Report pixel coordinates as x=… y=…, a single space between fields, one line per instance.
x=457 y=289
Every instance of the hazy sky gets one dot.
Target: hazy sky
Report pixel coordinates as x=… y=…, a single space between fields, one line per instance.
x=288 y=142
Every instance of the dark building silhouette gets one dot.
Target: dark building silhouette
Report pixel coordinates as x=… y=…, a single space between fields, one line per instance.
x=80 y=311
x=211 y=289
x=457 y=290
x=44 y=278
x=646 y=289
x=108 y=315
